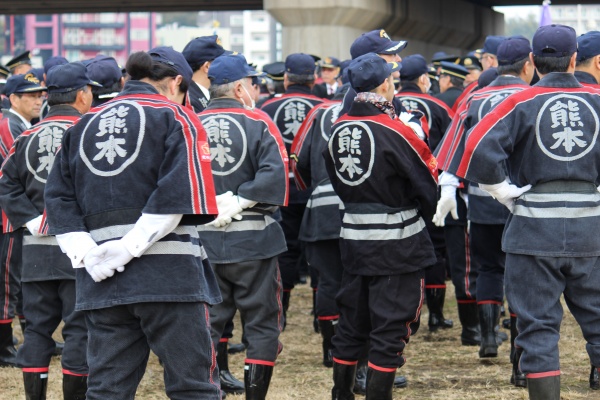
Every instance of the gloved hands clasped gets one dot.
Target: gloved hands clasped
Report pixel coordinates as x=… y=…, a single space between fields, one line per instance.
x=230 y=207
x=102 y=261
x=505 y=193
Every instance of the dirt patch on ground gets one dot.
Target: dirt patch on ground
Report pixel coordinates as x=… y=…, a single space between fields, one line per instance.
x=437 y=367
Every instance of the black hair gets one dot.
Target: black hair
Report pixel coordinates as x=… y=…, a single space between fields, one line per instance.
x=305 y=80
x=55 y=99
x=585 y=63
x=196 y=65
x=512 y=69
x=545 y=65
x=455 y=80
x=140 y=65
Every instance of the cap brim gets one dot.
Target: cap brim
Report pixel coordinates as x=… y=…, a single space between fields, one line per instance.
x=394 y=47
x=395 y=66
x=94 y=83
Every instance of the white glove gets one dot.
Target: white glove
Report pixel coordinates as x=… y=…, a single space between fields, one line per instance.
x=407 y=118
x=33 y=226
x=230 y=208
x=109 y=257
x=446 y=204
x=505 y=193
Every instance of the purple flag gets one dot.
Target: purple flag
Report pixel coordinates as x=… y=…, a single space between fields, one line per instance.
x=546 y=18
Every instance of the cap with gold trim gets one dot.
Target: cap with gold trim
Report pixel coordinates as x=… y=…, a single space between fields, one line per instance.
x=23 y=83
x=455 y=70
x=23 y=58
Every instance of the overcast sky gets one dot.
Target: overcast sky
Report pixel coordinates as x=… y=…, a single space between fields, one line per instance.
x=519 y=11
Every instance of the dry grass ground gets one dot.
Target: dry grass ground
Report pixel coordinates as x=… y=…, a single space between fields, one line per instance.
x=437 y=367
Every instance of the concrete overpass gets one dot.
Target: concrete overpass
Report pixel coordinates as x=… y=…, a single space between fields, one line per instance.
x=328 y=27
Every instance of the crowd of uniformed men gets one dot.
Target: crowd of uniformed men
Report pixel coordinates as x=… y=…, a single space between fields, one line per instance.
x=144 y=205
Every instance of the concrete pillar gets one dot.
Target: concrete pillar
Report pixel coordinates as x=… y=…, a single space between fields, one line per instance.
x=328 y=27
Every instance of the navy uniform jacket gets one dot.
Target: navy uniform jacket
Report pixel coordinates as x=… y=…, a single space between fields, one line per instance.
x=11 y=126
x=321 y=220
x=289 y=111
x=137 y=153
x=547 y=137
x=386 y=178
x=196 y=98
x=450 y=95
x=483 y=208
x=436 y=112
x=250 y=160
x=22 y=181
x=585 y=78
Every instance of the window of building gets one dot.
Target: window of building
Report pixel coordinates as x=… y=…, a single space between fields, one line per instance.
x=237 y=39
x=43 y=35
x=43 y=18
x=139 y=34
x=236 y=20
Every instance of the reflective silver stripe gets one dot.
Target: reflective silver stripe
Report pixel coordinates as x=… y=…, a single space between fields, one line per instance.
x=323 y=201
x=40 y=240
x=179 y=248
x=324 y=189
x=239 y=226
x=118 y=231
x=556 y=212
x=477 y=191
x=369 y=219
x=291 y=175
x=383 y=234
x=549 y=197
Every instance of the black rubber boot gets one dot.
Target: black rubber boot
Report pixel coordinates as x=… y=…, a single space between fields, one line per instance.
x=229 y=383
x=8 y=353
x=544 y=388
x=594 y=379
x=360 y=381
x=467 y=313
x=517 y=377
x=285 y=304
x=256 y=380
x=327 y=328
x=400 y=382
x=316 y=325
x=343 y=381
x=74 y=387
x=36 y=384
x=380 y=384
x=236 y=348
x=488 y=319
x=435 y=304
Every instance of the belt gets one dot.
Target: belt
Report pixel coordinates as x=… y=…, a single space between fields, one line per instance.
x=564 y=186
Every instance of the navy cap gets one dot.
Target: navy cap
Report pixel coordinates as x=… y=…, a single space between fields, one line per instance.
x=300 y=64
x=513 y=49
x=173 y=58
x=413 y=67
x=343 y=66
x=376 y=41
x=588 y=45
x=330 y=62
x=554 y=41
x=52 y=61
x=104 y=70
x=228 y=69
x=203 y=49
x=4 y=71
x=368 y=71
x=23 y=58
x=38 y=72
x=23 y=83
x=470 y=62
x=487 y=77
x=432 y=72
x=491 y=44
x=68 y=77
x=275 y=70
x=452 y=59
x=439 y=55
x=455 y=70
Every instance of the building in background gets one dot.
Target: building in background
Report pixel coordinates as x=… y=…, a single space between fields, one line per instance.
x=583 y=18
x=81 y=36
